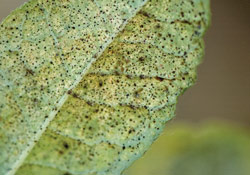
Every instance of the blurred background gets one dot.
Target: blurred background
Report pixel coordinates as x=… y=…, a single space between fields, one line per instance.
x=221 y=95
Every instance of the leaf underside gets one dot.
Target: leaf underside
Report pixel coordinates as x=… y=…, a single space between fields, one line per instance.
x=87 y=86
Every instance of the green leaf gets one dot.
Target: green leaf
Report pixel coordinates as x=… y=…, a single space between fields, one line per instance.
x=209 y=148
x=80 y=93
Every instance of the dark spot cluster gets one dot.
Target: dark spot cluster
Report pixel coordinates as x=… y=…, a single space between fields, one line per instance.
x=123 y=101
x=44 y=48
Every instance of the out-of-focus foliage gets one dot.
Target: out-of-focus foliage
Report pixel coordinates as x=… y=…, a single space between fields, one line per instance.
x=211 y=149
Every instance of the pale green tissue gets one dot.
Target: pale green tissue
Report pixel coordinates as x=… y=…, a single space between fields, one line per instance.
x=90 y=95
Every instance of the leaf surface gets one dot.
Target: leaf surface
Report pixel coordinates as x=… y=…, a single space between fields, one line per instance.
x=100 y=116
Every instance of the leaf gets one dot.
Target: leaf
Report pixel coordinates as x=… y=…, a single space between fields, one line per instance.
x=122 y=101
x=46 y=47
x=208 y=148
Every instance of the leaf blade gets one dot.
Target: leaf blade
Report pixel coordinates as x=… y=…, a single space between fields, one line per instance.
x=99 y=113
x=171 y=84
x=34 y=38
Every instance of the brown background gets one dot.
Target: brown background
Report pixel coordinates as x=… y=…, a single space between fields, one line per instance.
x=223 y=87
